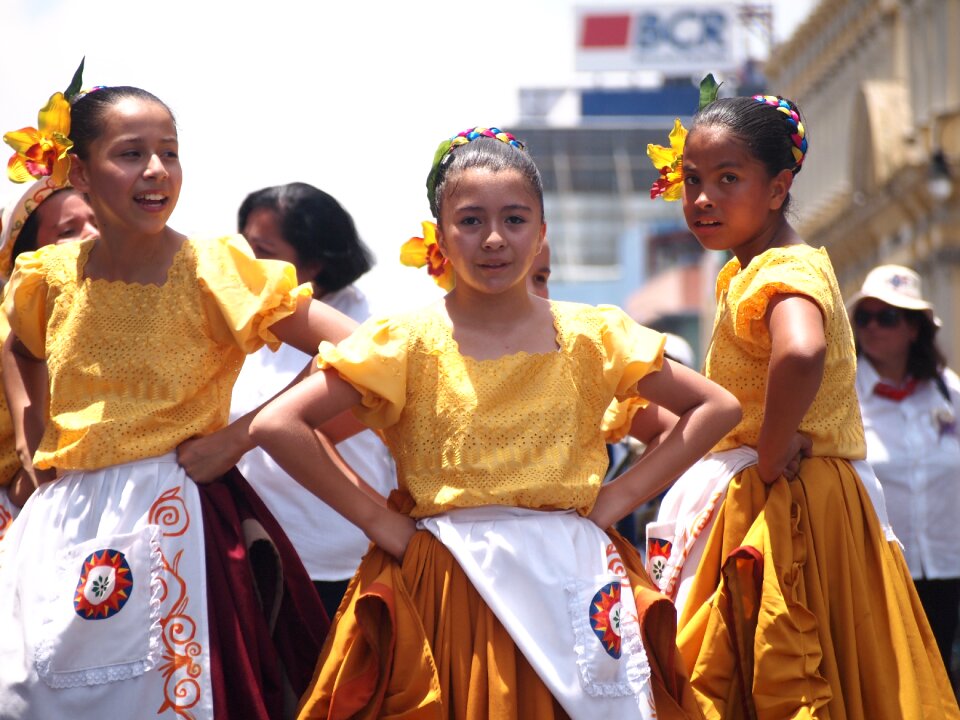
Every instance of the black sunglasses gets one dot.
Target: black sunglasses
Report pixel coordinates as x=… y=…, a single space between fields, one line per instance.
x=889 y=317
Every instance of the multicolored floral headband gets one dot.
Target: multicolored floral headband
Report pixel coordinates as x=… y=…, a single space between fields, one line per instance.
x=798 y=133
x=444 y=149
x=424 y=251
x=15 y=217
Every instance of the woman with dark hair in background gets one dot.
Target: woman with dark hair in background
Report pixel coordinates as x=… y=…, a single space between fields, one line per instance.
x=909 y=400
x=309 y=228
x=47 y=213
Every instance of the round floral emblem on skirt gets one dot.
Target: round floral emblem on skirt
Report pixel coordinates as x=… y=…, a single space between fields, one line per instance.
x=105 y=585
x=658 y=552
x=605 y=610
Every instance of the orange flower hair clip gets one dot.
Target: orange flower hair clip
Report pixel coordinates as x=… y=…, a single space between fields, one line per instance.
x=42 y=151
x=419 y=251
x=669 y=161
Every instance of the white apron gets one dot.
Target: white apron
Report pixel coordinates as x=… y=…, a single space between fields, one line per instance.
x=677 y=538
x=103 y=598
x=556 y=583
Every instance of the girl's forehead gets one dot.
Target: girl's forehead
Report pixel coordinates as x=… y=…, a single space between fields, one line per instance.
x=134 y=114
x=481 y=179
x=715 y=144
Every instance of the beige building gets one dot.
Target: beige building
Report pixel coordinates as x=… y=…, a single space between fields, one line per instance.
x=879 y=84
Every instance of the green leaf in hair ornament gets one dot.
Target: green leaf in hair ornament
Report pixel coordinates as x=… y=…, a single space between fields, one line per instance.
x=709 y=89
x=73 y=89
x=442 y=149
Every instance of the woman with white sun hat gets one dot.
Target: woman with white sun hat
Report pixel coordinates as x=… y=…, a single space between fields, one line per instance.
x=909 y=401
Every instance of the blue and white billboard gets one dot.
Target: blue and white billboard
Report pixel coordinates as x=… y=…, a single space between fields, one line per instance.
x=676 y=39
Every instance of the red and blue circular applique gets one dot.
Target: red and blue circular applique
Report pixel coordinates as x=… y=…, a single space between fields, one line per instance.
x=605 y=612
x=105 y=585
x=658 y=552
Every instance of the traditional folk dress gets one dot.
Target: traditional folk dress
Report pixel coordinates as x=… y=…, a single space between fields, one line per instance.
x=104 y=580
x=509 y=603
x=801 y=605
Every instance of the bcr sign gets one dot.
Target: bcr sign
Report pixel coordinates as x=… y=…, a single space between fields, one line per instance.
x=674 y=39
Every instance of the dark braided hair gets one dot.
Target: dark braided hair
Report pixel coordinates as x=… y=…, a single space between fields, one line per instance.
x=763 y=128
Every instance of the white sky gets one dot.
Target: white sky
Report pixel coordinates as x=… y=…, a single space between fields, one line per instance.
x=349 y=95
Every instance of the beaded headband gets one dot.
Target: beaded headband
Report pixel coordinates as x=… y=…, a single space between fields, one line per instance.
x=669 y=161
x=444 y=149
x=798 y=133
x=425 y=251
x=41 y=154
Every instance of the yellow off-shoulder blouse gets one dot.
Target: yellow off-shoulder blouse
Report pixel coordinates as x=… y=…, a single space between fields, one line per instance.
x=739 y=352
x=137 y=369
x=524 y=430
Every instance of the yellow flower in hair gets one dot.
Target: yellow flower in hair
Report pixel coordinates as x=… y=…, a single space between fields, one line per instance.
x=42 y=152
x=419 y=251
x=669 y=163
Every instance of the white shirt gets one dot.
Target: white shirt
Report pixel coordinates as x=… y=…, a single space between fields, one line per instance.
x=914 y=448
x=329 y=545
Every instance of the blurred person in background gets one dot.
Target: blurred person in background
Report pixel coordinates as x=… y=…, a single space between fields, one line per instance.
x=909 y=400
x=310 y=229
x=539 y=276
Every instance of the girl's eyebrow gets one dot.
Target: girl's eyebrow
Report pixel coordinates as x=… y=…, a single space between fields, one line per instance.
x=477 y=208
x=139 y=138
x=722 y=165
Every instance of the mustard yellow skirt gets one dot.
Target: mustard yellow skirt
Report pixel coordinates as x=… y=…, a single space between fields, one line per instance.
x=417 y=641
x=802 y=609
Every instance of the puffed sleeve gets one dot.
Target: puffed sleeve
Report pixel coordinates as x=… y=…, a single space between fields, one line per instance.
x=786 y=274
x=244 y=295
x=619 y=417
x=25 y=301
x=631 y=351
x=374 y=360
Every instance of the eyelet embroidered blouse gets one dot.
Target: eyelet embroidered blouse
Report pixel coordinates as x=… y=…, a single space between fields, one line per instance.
x=739 y=354
x=525 y=430
x=137 y=369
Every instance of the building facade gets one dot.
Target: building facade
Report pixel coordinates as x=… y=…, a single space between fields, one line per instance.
x=878 y=82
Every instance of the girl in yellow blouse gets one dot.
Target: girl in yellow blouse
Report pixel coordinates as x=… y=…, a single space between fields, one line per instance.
x=492 y=590
x=800 y=606
x=136 y=337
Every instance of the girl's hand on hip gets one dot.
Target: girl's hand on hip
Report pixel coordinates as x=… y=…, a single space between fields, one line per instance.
x=23 y=485
x=788 y=465
x=207 y=458
x=392 y=532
